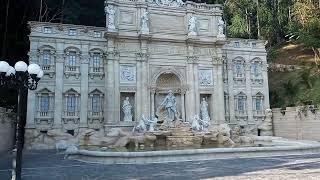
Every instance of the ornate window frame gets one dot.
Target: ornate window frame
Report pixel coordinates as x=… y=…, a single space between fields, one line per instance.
x=239 y=79
x=256 y=78
x=68 y=94
x=242 y=113
x=96 y=70
x=95 y=119
x=48 y=68
x=44 y=119
x=74 y=68
x=259 y=97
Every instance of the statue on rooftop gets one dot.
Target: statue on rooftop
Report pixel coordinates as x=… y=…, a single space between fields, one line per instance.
x=192 y=26
x=145 y=23
x=220 y=27
x=111 y=18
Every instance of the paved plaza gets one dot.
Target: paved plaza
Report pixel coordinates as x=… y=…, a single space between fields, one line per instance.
x=48 y=165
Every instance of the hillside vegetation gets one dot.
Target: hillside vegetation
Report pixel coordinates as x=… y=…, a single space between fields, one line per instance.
x=298 y=87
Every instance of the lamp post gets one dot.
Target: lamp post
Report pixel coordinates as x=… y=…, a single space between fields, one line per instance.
x=21 y=77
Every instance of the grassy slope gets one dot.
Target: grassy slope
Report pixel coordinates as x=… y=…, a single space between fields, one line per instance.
x=295 y=92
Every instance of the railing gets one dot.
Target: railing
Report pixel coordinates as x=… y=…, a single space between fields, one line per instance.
x=241 y=113
x=95 y=114
x=258 y=113
x=46 y=67
x=71 y=114
x=97 y=69
x=45 y=114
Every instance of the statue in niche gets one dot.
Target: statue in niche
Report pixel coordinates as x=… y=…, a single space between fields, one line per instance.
x=170 y=104
x=192 y=26
x=204 y=110
x=145 y=23
x=220 y=27
x=126 y=108
x=111 y=17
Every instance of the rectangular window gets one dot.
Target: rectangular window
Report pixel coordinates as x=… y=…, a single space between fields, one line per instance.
x=46 y=58
x=241 y=105
x=97 y=34
x=72 y=32
x=236 y=44
x=72 y=61
x=96 y=62
x=71 y=105
x=47 y=30
x=96 y=103
x=258 y=104
x=44 y=103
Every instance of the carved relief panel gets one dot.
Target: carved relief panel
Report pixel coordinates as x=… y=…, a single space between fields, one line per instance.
x=127 y=74
x=205 y=77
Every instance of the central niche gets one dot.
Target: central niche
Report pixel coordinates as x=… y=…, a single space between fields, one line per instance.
x=164 y=83
x=168 y=81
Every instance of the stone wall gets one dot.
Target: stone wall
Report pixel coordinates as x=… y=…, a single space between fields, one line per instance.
x=6 y=129
x=302 y=122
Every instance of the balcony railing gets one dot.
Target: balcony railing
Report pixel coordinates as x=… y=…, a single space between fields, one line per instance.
x=258 y=113
x=95 y=114
x=71 y=113
x=45 y=114
x=241 y=113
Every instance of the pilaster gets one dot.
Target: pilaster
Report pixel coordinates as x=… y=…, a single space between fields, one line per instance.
x=84 y=68
x=219 y=92
x=59 y=81
x=31 y=109
x=248 y=92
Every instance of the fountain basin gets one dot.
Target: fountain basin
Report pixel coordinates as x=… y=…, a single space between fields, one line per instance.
x=280 y=147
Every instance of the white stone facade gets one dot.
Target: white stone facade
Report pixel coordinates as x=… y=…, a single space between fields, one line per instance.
x=89 y=71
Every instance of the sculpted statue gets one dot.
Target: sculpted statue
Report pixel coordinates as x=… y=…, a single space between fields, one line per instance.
x=111 y=17
x=172 y=3
x=204 y=110
x=266 y=125
x=152 y=123
x=195 y=125
x=145 y=23
x=126 y=108
x=170 y=104
x=192 y=26
x=141 y=127
x=220 y=27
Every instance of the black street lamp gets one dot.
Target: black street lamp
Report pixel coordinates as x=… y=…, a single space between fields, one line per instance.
x=21 y=77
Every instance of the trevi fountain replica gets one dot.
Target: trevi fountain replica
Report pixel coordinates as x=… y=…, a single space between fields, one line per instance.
x=161 y=82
